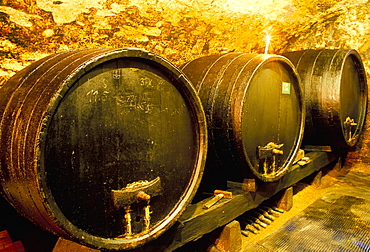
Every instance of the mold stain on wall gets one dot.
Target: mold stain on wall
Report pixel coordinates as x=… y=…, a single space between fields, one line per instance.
x=181 y=30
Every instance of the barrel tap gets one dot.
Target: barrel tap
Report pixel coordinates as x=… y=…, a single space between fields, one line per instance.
x=348 y=124
x=267 y=156
x=133 y=193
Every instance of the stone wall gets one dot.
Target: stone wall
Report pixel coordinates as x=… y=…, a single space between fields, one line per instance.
x=181 y=30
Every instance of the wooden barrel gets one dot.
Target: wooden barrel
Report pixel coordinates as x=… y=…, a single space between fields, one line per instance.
x=335 y=95
x=255 y=113
x=105 y=147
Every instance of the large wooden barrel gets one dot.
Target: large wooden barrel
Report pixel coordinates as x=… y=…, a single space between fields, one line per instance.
x=335 y=95
x=255 y=114
x=105 y=147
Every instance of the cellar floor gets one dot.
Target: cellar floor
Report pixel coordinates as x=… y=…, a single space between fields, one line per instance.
x=334 y=203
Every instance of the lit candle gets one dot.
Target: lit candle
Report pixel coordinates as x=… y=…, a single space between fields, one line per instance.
x=268 y=38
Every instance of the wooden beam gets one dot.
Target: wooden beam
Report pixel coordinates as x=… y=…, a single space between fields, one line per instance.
x=196 y=221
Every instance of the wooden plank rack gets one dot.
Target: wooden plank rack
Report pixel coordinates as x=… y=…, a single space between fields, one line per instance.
x=197 y=221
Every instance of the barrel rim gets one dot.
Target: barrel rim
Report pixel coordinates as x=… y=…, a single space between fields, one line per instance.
x=184 y=86
x=238 y=112
x=364 y=88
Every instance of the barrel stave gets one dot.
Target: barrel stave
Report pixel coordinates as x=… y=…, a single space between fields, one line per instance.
x=335 y=89
x=231 y=105
x=96 y=120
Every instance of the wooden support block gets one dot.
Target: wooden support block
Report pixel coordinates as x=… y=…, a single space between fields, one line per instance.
x=64 y=245
x=230 y=239
x=7 y=245
x=286 y=199
x=18 y=245
x=227 y=194
x=5 y=240
x=316 y=182
x=249 y=185
x=339 y=165
x=299 y=156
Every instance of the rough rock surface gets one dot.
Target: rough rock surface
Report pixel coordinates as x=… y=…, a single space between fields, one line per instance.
x=181 y=30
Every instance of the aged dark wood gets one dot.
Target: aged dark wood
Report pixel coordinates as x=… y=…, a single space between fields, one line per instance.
x=76 y=126
x=335 y=95
x=255 y=114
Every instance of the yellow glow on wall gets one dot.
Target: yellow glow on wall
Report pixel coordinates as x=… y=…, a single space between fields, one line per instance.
x=258 y=7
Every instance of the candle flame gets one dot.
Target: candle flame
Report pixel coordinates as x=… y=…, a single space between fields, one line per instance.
x=268 y=39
